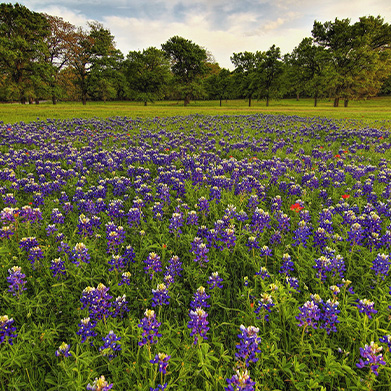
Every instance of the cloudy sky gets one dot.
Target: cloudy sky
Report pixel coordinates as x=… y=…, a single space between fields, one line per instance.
x=222 y=27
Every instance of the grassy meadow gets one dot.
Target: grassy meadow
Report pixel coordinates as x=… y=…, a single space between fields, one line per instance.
x=369 y=110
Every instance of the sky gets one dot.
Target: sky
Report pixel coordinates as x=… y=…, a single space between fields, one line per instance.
x=223 y=27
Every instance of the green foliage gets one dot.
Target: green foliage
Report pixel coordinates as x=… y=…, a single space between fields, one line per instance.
x=188 y=63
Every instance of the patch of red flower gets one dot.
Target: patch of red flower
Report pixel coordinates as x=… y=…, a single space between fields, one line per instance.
x=345 y=196
x=296 y=207
x=337 y=155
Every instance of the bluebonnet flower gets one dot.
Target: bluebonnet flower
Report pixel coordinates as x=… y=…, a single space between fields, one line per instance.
x=28 y=243
x=248 y=344
x=192 y=218
x=160 y=295
x=386 y=339
x=80 y=253
x=150 y=327
x=365 y=306
x=330 y=316
x=159 y=387
x=200 y=298
x=57 y=266
x=266 y=251
x=240 y=381
x=381 y=265
x=51 y=229
x=253 y=201
x=174 y=267
x=57 y=217
x=110 y=346
x=310 y=314
x=215 y=280
x=265 y=305
x=284 y=222
x=201 y=252
x=99 y=385
x=85 y=226
x=134 y=217
x=176 y=222
x=16 y=280
x=203 y=206
x=287 y=265
x=115 y=236
x=321 y=237
x=119 y=307
x=63 y=350
x=252 y=243
x=356 y=234
x=125 y=279
x=228 y=237
x=371 y=356
x=153 y=264
x=293 y=283
x=302 y=233
x=9 y=199
x=162 y=360
x=263 y=273
x=65 y=248
x=129 y=255
x=35 y=254
x=86 y=329
x=7 y=331
x=117 y=262
x=198 y=324
x=260 y=221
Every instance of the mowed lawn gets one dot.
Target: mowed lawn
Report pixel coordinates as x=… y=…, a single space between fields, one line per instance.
x=375 y=109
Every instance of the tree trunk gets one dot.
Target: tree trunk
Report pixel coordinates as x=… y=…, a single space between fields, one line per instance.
x=249 y=101
x=297 y=97
x=145 y=103
x=346 y=102
x=37 y=101
x=315 y=101
x=84 y=100
x=336 y=102
x=54 y=99
x=267 y=100
x=220 y=102
x=30 y=100
x=187 y=100
x=23 y=100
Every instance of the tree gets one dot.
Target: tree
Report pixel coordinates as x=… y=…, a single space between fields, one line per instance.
x=359 y=55
x=270 y=72
x=219 y=85
x=147 y=74
x=188 y=64
x=93 y=57
x=59 y=44
x=22 y=50
x=306 y=69
x=246 y=73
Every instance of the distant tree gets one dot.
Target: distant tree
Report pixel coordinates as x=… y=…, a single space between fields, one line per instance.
x=188 y=64
x=359 y=54
x=93 y=57
x=307 y=69
x=22 y=51
x=270 y=74
x=246 y=73
x=219 y=85
x=59 y=51
x=147 y=74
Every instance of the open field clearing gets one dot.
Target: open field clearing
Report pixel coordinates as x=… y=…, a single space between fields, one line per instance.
x=369 y=110
x=144 y=249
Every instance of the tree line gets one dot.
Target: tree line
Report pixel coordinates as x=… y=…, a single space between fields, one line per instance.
x=45 y=57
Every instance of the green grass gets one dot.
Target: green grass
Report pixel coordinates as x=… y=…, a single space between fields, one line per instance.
x=376 y=109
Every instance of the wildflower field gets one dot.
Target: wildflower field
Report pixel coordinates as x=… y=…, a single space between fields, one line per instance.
x=243 y=252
